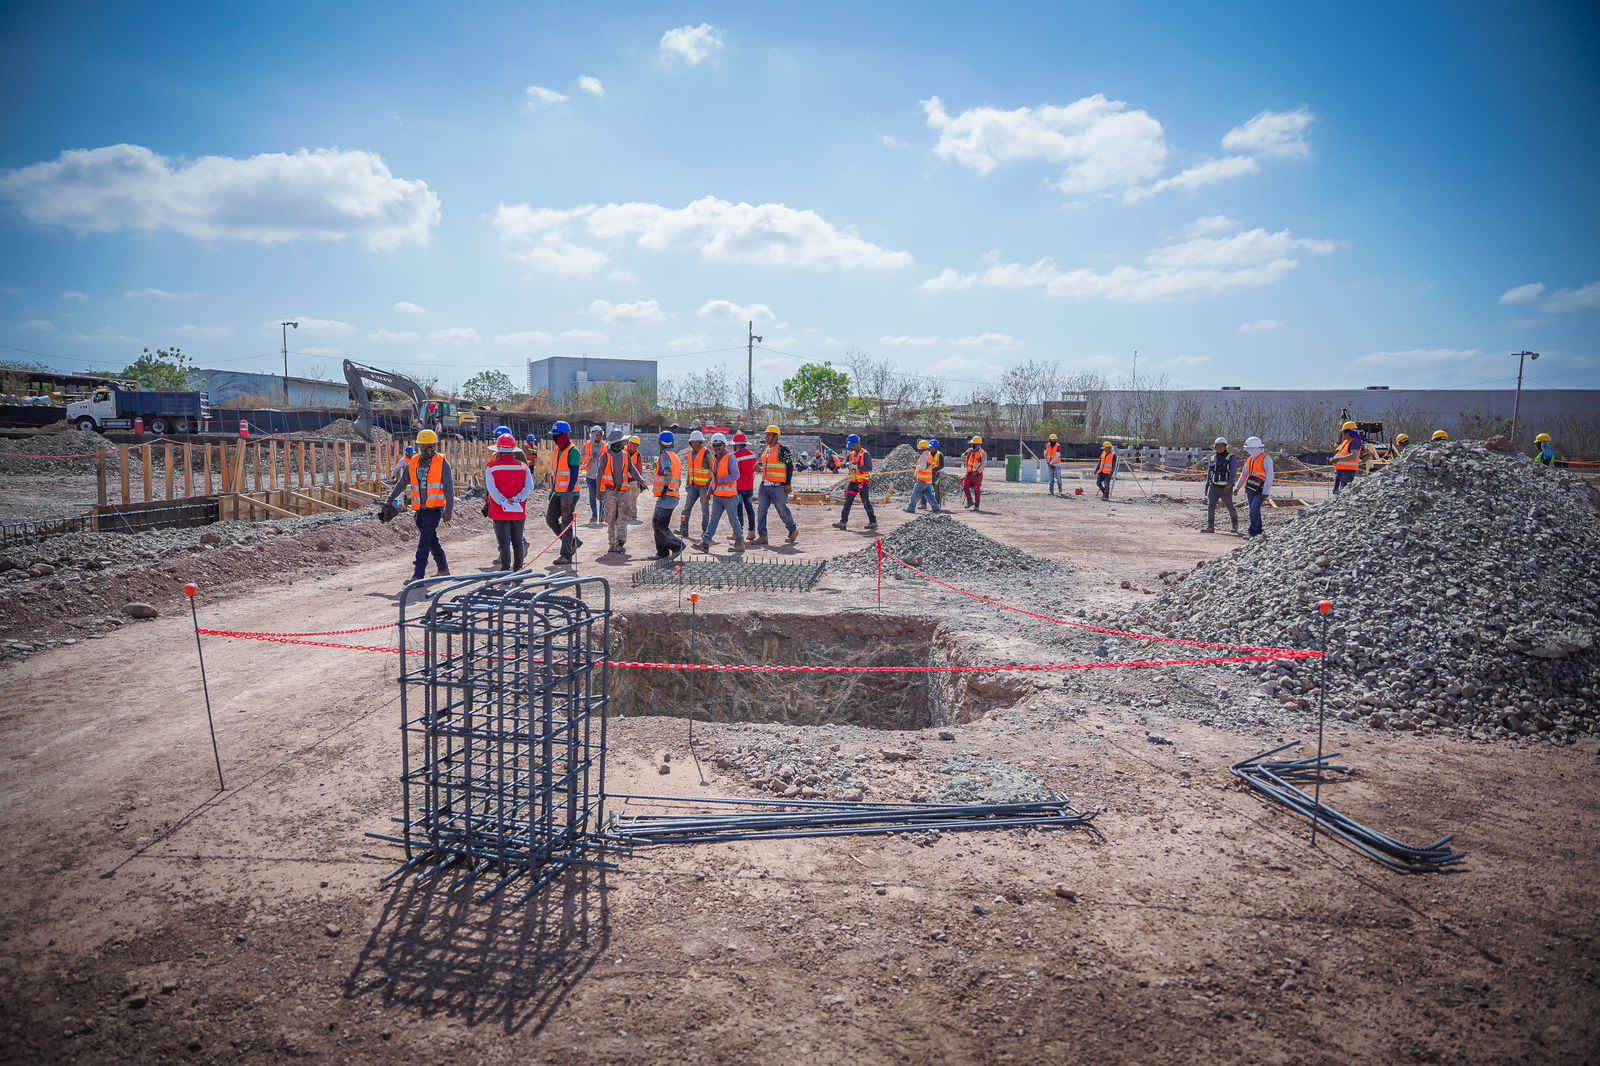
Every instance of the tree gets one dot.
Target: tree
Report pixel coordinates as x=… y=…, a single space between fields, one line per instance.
x=488 y=388
x=819 y=389
x=163 y=370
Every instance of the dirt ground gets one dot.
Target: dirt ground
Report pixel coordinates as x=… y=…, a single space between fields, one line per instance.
x=148 y=917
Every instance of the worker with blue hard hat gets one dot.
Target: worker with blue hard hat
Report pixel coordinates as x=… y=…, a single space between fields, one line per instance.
x=936 y=459
x=858 y=476
x=666 y=486
x=567 y=478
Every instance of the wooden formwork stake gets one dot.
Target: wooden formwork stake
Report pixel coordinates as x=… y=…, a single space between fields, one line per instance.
x=205 y=461
x=100 y=476
x=166 y=461
x=145 y=461
x=122 y=467
x=188 y=472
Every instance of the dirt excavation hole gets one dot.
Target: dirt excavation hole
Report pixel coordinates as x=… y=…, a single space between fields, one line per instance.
x=876 y=701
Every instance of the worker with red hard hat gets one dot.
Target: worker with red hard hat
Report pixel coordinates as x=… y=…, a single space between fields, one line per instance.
x=508 y=483
x=747 y=481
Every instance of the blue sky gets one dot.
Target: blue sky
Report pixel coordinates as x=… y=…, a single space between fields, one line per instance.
x=1259 y=196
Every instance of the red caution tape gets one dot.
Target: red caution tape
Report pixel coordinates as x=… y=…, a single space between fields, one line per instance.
x=29 y=455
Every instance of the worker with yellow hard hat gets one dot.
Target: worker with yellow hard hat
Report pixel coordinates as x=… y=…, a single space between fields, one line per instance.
x=1347 y=456
x=972 y=481
x=1105 y=472
x=634 y=462
x=1052 y=459
x=1401 y=443
x=431 y=494
x=922 y=489
x=1439 y=434
x=1546 y=455
x=776 y=467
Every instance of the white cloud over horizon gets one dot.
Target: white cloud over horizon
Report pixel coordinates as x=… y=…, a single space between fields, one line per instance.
x=538 y=98
x=1523 y=294
x=637 y=312
x=1260 y=325
x=591 y=85
x=691 y=45
x=1278 y=133
x=159 y=294
x=406 y=307
x=760 y=314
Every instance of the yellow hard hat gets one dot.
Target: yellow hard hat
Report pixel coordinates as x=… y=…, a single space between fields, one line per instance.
x=1543 y=438
x=976 y=440
x=1104 y=445
x=1053 y=437
x=1348 y=425
x=1440 y=434
x=634 y=439
x=922 y=445
x=1401 y=438
x=427 y=436
x=773 y=429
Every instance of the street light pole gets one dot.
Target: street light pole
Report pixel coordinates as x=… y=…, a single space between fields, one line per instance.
x=750 y=372
x=1516 y=406
x=286 y=326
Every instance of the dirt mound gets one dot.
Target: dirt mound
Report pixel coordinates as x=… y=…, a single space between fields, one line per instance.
x=944 y=546
x=895 y=472
x=1466 y=591
x=341 y=429
x=43 y=452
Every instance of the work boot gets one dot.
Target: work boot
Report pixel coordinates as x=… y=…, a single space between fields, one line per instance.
x=871 y=526
x=751 y=537
x=702 y=546
x=736 y=547
x=677 y=552
x=794 y=535
x=760 y=539
x=841 y=525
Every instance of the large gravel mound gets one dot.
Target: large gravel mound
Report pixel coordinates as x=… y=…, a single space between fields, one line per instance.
x=1466 y=591
x=947 y=548
x=37 y=454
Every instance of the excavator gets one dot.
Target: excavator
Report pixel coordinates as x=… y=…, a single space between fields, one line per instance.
x=442 y=416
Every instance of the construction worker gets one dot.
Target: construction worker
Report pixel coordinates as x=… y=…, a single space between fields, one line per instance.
x=669 y=476
x=1401 y=443
x=924 y=445
x=697 y=476
x=594 y=450
x=432 y=498
x=972 y=482
x=615 y=484
x=402 y=466
x=561 y=515
x=508 y=483
x=1346 y=456
x=1052 y=459
x=636 y=478
x=1105 y=474
x=777 y=474
x=1256 y=479
x=937 y=455
x=724 y=495
x=1220 y=476
x=922 y=489
x=747 y=480
x=1439 y=435
x=1546 y=454
x=858 y=483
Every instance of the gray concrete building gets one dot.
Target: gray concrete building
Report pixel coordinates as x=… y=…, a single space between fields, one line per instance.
x=560 y=377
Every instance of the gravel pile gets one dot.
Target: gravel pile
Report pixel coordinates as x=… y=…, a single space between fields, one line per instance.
x=895 y=472
x=341 y=429
x=944 y=546
x=32 y=455
x=1466 y=591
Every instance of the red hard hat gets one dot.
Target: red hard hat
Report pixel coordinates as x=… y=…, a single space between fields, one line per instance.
x=739 y=438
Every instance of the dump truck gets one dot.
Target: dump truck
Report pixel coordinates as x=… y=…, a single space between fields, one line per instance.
x=114 y=406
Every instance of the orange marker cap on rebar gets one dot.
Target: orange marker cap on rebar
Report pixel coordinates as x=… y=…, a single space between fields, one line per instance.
x=694 y=597
x=1325 y=607
x=191 y=589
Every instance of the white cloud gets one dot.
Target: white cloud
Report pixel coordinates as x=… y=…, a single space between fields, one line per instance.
x=691 y=45
x=989 y=342
x=38 y=325
x=1208 y=173
x=326 y=194
x=623 y=276
x=965 y=367
x=591 y=85
x=1523 y=294
x=101 y=337
x=1103 y=144
x=537 y=98
x=74 y=294
x=190 y=331
x=760 y=314
x=889 y=140
x=1419 y=358
x=1200 y=266
x=1260 y=325
x=326 y=326
x=455 y=335
x=1280 y=133
x=1210 y=225
x=638 y=311
x=909 y=342
x=159 y=294
x=1584 y=299
x=720 y=231
x=406 y=307
x=692 y=342
x=389 y=336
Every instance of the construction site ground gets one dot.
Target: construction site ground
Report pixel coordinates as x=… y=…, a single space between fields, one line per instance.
x=148 y=917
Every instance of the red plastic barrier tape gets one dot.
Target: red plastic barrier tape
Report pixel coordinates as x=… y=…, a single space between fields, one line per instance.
x=1271 y=653
x=26 y=455
x=325 y=632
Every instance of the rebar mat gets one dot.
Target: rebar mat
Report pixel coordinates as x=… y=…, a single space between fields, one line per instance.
x=719 y=574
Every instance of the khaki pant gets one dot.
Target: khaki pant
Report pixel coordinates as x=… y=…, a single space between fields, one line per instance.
x=614 y=507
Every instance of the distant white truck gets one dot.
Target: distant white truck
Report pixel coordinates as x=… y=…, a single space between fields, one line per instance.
x=110 y=407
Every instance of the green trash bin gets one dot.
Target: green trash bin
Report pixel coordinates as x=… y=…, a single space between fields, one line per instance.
x=1013 y=468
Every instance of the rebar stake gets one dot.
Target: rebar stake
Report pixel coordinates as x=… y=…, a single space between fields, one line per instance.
x=190 y=590
x=1324 y=608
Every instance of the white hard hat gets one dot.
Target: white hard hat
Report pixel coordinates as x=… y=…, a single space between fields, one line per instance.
x=1219 y=440
x=718 y=438
x=696 y=435
x=1253 y=442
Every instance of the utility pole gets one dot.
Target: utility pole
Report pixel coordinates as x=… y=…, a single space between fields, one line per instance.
x=1516 y=407
x=286 y=326
x=750 y=372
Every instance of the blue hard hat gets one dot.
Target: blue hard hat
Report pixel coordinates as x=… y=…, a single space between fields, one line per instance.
x=933 y=443
x=532 y=439
x=667 y=437
x=852 y=440
x=501 y=431
x=559 y=428
x=411 y=449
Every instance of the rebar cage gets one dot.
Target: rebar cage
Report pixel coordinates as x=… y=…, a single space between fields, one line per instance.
x=732 y=574
x=503 y=692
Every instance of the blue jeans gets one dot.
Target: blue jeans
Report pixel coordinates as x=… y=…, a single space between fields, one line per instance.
x=1254 y=499
x=729 y=504
x=1055 y=478
x=774 y=496
x=693 y=494
x=428 y=543
x=594 y=499
x=922 y=492
x=747 y=508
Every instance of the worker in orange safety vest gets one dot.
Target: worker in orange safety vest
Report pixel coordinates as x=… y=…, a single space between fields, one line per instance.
x=724 y=495
x=1105 y=474
x=431 y=494
x=972 y=481
x=1347 y=456
x=1052 y=459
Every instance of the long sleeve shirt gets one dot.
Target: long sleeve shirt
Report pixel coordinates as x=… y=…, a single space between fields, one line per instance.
x=1244 y=476
x=422 y=483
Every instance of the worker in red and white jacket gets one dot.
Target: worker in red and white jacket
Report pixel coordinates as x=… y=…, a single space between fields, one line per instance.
x=509 y=483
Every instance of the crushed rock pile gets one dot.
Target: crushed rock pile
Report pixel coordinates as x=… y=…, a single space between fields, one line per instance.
x=944 y=546
x=33 y=455
x=895 y=472
x=341 y=429
x=1466 y=592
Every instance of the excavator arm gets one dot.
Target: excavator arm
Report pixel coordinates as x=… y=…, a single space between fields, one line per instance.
x=358 y=374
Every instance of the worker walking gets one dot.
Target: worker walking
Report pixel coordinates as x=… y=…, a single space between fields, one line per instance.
x=777 y=474
x=399 y=472
x=972 y=482
x=668 y=478
x=1546 y=455
x=1256 y=479
x=859 y=465
x=509 y=483
x=724 y=495
x=747 y=480
x=561 y=514
x=594 y=450
x=698 y=488
x=922 y=490
x=1347 y=456
x=432 y=498
x=937 y=454
x=636 y=478
x=1105 y=475
x=614 y=483
x=1052 y=459
x=1220 y=476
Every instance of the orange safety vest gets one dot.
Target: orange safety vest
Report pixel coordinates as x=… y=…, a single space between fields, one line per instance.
x=727 y=477
x=608 y=472
x=563 y=470
x=925 y=468
x=858 y=459
x=975 y=461
x=668 y=473
x=700 y=466
x=1052 y=453
x=588 y=453
x=1256 y=470
x=1343 y=460
x=1108 y=461
x=773 y=472
x=631 y=465
x=435 y=491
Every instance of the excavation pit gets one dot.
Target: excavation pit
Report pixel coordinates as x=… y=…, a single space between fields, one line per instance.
x=897 y=701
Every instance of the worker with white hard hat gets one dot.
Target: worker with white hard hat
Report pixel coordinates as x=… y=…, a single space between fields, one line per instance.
x=697 y=483
x=1220 y=475
x=1255 y=477
x=616 y=485
x=594 y=453
x=724 y=495
x=777 y=474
